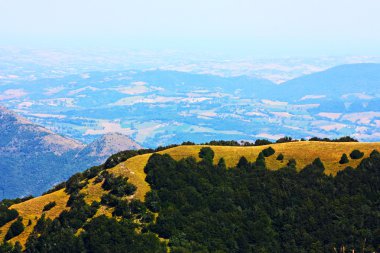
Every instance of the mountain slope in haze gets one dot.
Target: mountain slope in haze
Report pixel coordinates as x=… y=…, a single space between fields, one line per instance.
x=108 y=144
x=345 y=80
x=19 y=135
x=32 y=158
x=340 y=101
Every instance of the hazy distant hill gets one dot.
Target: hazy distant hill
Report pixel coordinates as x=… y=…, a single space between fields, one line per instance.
x=33 y=158
x=159 y=107
x=345 y=80
x=100 y=149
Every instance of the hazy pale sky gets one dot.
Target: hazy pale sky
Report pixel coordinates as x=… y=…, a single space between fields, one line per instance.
x=266 y=27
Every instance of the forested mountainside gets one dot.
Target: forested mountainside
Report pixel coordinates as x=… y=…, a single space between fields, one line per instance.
x=203 y=199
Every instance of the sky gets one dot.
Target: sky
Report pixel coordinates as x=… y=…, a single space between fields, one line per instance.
x=269 y=28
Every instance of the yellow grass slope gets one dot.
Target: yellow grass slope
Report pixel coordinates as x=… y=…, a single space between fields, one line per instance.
x=31 y=210
x=303 y=152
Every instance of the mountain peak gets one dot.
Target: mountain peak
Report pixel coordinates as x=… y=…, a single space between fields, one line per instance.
x=109 y=144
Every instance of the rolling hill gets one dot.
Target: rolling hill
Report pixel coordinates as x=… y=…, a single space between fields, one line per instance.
x=133 y=168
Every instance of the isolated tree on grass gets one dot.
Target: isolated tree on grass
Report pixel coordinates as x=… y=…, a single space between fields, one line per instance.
x=268 y=152
x=344 y=159
x=356 y=154
x=207 y=154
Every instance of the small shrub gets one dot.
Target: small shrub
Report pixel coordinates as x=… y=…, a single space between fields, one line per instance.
x=292 y=163
x=268 y=152
x=344 y=159
x=356 y=154
x=49 y=206
x=280 y=157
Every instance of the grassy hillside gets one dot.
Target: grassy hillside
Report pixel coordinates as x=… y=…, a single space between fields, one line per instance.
x=303 y=152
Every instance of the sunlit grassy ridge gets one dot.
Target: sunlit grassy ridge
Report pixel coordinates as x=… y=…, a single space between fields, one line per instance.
x=303 y=152
x=32 y=210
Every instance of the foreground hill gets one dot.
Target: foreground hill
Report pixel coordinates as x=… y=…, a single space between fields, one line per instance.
x=131 y=165
x=33 y=158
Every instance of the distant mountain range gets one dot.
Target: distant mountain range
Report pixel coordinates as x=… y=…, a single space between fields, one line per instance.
x=164 y=107
x=160 y=107
x=33 y=158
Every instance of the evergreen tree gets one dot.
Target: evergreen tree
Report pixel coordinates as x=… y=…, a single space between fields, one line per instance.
x=344 y=159
x=222 y=164
x=243 y=163
x=260 y=160
x=207 y=155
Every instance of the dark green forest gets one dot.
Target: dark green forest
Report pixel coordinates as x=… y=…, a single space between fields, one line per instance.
x=202 y=207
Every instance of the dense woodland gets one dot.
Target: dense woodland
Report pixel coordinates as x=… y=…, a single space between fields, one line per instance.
x=202 y=207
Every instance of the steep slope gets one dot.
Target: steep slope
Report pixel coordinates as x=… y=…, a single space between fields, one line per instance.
x=133 y=168
x=30 y=155
x=334 y=83
x=32 y=158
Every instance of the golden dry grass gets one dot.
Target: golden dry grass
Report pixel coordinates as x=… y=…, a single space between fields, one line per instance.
x=32 y=210
x=133 y=168
x=303 y=152
x=92 y=192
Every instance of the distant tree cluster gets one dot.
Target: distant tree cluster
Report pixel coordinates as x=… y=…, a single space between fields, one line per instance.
x=262 y=142
x=341 y=139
